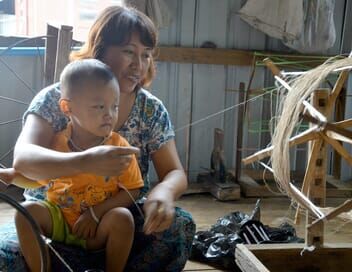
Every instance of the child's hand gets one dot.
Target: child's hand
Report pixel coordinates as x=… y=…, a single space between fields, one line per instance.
x=10 y=176
x=7 y=175
x=107 y=160
x=85 y=227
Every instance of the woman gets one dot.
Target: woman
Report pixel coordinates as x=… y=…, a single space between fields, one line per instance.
x=123 y=38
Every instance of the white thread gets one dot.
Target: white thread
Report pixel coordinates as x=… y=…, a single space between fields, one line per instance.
x=48 y=241
x=307 y=248
x=94 y=216
x=222 y=111
x=134 y=201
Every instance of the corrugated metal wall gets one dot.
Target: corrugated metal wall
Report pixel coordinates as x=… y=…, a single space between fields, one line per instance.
x=193 y=93
x=20 y=79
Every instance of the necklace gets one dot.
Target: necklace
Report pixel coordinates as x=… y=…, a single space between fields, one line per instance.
x=77 y=148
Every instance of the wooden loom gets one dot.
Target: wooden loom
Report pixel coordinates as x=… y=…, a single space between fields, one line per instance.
x=325 y=257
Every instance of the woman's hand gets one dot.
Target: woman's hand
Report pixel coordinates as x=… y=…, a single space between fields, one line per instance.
x=159 y=212
x=107 y=160
x=159 y=208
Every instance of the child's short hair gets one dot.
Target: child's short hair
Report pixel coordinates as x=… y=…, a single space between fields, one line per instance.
x=80 y=72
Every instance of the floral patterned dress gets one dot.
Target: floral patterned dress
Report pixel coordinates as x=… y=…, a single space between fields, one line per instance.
x=148 y=127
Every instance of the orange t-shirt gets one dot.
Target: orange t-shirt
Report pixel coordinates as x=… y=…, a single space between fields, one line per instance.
x=74 y=193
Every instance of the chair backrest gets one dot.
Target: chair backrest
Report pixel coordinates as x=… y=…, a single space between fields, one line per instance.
x=57 y=49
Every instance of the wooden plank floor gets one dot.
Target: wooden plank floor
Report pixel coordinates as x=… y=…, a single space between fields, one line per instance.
x=206 y=210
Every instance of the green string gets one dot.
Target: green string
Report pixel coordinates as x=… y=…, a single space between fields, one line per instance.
x=263 y=126
x=301 y=63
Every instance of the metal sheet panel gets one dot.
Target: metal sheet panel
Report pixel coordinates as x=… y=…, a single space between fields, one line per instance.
x=18 y=87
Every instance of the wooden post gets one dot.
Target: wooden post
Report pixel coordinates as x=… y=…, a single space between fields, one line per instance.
x=217 y=160
x=240 y=118
x=63 y=50
x=317 y=188
x=339 y=115
x=50 y=54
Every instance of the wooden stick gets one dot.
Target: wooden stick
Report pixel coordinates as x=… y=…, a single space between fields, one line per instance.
x=344 y=124
x=338 y=147
x=272 y=67
x=329 y=126
x=308 y=135
x=338 y=130
x=336 y=90
x=338 y=137
x=345 y=207
x=306 y=202
x=320 y=118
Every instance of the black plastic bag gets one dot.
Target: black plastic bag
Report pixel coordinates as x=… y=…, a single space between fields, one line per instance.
x=217 y=245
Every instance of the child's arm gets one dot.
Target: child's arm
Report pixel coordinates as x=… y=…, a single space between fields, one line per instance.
x=121 y=199
x=86 y=226
x=10 y=176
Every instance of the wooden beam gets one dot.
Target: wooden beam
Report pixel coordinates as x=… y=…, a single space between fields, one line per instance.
x=289 y=257
x=247 y=261
x=222 y=56
x=344 y=124
x=338 y=137
x=336 y=90
x=339 y=115
x=345 y=207
x=309 y=174
x=316 y=190
x=205 y=56
x=338 y=147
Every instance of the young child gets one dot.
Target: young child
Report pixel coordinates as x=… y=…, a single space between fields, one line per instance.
x=86 y=210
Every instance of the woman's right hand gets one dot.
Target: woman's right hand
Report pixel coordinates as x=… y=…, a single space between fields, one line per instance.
x=107 y=160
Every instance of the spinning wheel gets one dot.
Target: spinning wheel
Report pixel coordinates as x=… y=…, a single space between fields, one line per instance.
x=322 y=132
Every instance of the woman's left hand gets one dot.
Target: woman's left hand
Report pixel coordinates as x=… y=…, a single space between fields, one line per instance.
x=159 y=214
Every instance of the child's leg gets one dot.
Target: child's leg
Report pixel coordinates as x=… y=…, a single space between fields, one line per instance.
x=116 y=233
x=28 y=242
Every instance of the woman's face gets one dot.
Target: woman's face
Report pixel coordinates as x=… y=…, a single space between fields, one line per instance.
x=129 y=62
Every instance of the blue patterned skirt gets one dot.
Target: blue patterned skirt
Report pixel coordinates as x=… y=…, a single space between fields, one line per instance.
x=167 y=251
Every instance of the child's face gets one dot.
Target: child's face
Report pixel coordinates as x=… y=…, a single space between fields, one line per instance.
x=95 y=109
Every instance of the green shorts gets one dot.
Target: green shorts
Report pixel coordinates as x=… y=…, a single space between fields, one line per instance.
x=61 y=230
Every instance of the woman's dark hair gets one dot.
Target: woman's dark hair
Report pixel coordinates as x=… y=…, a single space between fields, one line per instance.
x=114 y=27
